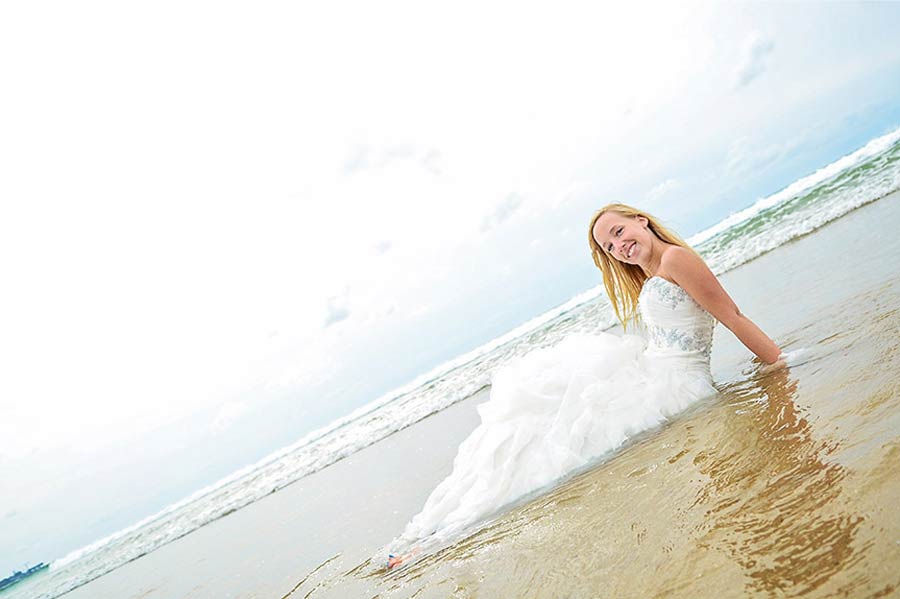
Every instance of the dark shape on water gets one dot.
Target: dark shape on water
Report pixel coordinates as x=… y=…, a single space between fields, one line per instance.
x=17 y=576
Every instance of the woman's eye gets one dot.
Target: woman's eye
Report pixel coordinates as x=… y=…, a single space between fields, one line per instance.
x=618 y=231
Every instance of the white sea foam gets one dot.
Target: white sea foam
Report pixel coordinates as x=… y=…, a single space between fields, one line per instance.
x=874 y=147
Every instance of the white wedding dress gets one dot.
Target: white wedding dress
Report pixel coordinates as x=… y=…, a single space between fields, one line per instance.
x=558 y=408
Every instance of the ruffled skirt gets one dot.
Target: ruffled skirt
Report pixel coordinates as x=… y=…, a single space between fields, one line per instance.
x=553 y=411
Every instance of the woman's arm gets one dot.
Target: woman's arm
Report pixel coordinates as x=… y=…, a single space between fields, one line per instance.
x=692 y=274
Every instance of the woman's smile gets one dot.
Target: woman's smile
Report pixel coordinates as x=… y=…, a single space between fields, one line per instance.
x=630 y=250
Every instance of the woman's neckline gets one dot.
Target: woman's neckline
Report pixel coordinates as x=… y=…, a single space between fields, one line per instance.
x=664 y=279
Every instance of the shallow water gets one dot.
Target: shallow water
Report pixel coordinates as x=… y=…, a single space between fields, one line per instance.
x=786 y=484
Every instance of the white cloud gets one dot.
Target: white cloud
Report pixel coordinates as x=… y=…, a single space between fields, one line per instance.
x=502 y=212
x=431 y=161
x=746 y=155
x=363 y=157
x=420 y=311
x=227 y=415
x=337 y=310
x=382 y=247
x=295 y=362
x=662 y=189
x=754 y=58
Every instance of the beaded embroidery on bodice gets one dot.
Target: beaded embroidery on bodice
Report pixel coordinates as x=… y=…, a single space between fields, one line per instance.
x=675 y=323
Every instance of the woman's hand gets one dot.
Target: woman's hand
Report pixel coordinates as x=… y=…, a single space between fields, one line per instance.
x=778 y=364
x=759 y=367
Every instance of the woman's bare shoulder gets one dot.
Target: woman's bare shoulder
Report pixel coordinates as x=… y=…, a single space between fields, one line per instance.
x=676 y=260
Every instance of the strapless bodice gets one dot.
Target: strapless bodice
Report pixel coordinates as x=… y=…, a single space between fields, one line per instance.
x=675 y=323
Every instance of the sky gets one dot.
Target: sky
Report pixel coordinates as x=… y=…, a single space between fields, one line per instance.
x=224 y=225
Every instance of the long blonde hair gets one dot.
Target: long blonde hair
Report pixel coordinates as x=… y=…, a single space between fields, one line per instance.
x=623 y=282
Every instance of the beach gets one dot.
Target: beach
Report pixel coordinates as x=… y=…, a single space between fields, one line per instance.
x=339 y=300
x=784 y=484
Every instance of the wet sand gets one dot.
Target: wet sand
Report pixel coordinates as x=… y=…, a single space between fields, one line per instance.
x=785 y=485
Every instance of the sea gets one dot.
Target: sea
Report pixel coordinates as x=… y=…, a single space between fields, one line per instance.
x=862 y=177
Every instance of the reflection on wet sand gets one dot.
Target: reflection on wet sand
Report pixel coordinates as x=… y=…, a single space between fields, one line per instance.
x=773 y=498
x=783 y=485
x=748 y=481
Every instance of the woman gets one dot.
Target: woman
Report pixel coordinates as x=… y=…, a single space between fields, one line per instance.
x=557 y=409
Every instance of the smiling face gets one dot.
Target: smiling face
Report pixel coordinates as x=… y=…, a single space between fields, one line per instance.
x=625 y=238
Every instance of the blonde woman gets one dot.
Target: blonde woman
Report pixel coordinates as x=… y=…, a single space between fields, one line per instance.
x=559 y=408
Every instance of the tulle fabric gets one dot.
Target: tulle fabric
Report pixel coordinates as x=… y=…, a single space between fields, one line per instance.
x=559 y=408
